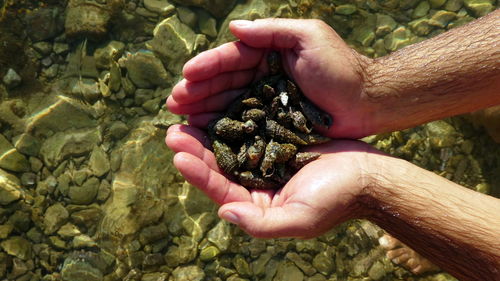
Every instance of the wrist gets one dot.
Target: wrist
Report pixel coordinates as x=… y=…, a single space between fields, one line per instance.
x=375 y=96
x=383 y=176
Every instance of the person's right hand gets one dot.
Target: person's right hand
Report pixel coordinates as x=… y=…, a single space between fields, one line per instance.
x=329 y=72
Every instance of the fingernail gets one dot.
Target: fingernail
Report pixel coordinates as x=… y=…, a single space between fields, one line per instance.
x=241 y=23
x=383 y=241
x=230 y=217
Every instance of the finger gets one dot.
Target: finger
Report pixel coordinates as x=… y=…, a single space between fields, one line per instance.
x=215 y=185
x=202 y=120
x=214 y=103
x=277 y=33
x=196 y=133
x=182 y=142
x=188 y=92
x=228 y=57
x=291 y=220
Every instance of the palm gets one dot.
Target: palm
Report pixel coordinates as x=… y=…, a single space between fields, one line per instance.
x=304 y=207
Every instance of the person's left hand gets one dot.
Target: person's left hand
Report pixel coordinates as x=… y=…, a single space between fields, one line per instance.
x=321 y=195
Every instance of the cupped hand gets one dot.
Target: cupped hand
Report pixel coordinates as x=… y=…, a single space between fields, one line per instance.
x=321 y=195
x=329 y=72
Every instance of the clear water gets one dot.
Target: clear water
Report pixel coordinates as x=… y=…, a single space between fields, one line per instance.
x=89 y=191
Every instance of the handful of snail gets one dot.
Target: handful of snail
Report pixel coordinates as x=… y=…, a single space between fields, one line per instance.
x=259 y=137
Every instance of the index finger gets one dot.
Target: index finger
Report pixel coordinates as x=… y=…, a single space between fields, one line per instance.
x=228 y=57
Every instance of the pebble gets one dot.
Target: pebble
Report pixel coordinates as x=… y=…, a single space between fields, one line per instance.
x=163 y=8
x=10 y=189
x=83 y=241
x=172 y=43
x=110 y=52
x=99 y=162
x=207 y=24
x=187 y=16
x=19 y=268
x=35 y=235
x=85 y=194
x=43 y=47
x=28 y=179
x=17 y=246
x=323 y=263
x=377 y=271
x=346 y=9
x=12 y=79
x=68 y=230
x=5 y=230
x=146 y=71
x=421 y=10
x=190 y=272
x=55 y=216
x=61 y=48
x=209 y=253
x=118 y=130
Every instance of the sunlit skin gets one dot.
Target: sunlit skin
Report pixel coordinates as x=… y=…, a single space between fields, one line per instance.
x=436 y=217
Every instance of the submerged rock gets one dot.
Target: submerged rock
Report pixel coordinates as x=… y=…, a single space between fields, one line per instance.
x=10 y=158
x=146 y=70
x=163 y=8
x=12 y=79
x=17 y=246
x=218 y=8
x=173 y=43
x=55 y=216
x=10 y=188
x=44 y=23
x=85 y=194
x=79 y=266
x=75 y=114
x=69 y=143
x=86 y=20
x=185 y=273
x=99 y=162
x=112 y=51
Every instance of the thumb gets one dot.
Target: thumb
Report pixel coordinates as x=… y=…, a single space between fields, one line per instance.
x=291 y=220
x=275 y=33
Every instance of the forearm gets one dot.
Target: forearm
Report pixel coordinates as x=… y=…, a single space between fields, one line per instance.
x=456 y=228
x=453 y=73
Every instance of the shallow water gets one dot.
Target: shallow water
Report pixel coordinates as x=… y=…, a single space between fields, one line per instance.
x=88 y=191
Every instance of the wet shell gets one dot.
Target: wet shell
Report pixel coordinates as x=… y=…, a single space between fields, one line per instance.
x=300 y=122
x=226 y=159
x=315 y=115
x=268 y=92
x=303 y=158
x=255 y=152
x=284 y=118
x=254 y=181
x=312 y=139
x=229 y=129
x=276 y=153
x=252 y=102
x=280 y=133
x=254 y=114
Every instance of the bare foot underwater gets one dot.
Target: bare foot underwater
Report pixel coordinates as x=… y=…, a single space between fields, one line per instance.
x=403 y=255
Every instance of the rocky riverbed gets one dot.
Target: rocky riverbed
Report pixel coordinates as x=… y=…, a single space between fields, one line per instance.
x=87 y=188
